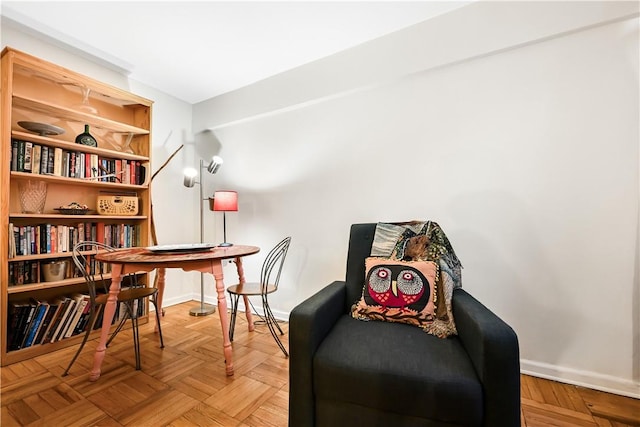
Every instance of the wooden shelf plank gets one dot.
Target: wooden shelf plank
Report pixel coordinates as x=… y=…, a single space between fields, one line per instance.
x=71 y=146
x=87 y=182
x=73 y=115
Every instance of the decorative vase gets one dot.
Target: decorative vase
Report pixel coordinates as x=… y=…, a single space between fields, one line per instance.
x=85 y=138
x=33 y=194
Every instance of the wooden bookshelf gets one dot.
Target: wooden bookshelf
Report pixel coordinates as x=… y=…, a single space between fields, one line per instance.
x=37 y=91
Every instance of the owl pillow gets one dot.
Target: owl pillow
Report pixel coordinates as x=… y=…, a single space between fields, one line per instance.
x=405 y=292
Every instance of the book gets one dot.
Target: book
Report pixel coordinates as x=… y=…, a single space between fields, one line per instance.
x=95 y=171
x=24 y=328
x=44 y=160
x=12 y=241
x=81 y=304
x=47 y=320
x=41 y=309
x=35 y=163
x=57 y=161
x=55 y=321
x=70 y=314
x=66 y=163
x=100 y=232
x=132 y=172
x=51 y=160
x=64 y=319
x=87 y=166
x=126 y=172
x=80 y=162
x=28 y=152
x=72 y=164
x=14 y=154
x=118 y=171
x=18 y=310
x=20 y=166
x=53 y=239
x=84 y=318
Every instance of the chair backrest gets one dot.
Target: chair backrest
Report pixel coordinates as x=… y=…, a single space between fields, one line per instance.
x=272 y=266
x=360 y=242
x=93 y=272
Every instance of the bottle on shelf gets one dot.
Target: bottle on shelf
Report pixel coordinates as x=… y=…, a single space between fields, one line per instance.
x=85 y=138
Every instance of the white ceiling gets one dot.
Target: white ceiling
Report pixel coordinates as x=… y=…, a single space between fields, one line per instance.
x=197 y=50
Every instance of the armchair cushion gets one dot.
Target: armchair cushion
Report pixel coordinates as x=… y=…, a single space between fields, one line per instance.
x=366 y=364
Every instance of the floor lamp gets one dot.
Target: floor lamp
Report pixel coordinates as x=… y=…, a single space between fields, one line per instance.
x=190 y=176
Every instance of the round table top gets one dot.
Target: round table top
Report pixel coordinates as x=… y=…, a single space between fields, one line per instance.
x=145 y=255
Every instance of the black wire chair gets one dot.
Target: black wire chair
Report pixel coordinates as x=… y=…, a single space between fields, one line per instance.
x=269 y=280
x=131 y=296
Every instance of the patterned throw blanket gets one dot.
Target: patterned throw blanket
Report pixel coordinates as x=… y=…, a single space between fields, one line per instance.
x=418 y=240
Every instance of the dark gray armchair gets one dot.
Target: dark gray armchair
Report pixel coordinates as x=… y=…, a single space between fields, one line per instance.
x=346 y=372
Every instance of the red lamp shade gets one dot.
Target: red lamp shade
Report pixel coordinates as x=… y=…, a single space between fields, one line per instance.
x=225 y=201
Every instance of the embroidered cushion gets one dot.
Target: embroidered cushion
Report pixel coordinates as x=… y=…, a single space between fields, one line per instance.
x=411 y=292
x=398 y=291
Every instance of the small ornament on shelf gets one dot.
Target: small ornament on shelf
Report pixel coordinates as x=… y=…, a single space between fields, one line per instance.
x=85 y=138
x=33 y=195
x=73 y=208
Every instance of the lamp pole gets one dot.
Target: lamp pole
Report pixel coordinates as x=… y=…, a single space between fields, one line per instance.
x=204 y=309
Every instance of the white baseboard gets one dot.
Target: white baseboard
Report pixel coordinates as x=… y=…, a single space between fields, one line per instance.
x=280 y=315
x=580 y=378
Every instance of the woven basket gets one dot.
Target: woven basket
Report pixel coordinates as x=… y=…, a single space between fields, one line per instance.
x=117 y=205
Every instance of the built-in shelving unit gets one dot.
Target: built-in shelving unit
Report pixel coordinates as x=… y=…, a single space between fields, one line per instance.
x=37 y=91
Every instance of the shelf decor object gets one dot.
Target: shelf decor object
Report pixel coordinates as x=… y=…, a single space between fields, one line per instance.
x=189 y=181
x=54 y=270
x=41 y=129
x=224 y=201
x=33 y=195
x=85 y=138
x=73 y=208
x=43 y=169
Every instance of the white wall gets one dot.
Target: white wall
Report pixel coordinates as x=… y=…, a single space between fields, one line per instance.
x=513 y=125
x=175 y=208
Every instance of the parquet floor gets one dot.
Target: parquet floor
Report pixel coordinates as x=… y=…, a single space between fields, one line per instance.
x=185 y=385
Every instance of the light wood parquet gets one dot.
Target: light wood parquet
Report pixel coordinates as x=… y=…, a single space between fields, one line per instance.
x=184 y=385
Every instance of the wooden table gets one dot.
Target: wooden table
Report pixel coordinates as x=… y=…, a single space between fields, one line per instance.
x=125 y=261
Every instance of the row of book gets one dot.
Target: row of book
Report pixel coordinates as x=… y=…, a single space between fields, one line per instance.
x=36 y=322
x=27 y=272
x=29 y=157
x=58 y=238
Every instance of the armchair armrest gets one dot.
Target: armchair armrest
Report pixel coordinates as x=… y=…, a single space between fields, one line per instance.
x=309 y=324
x=493 y=348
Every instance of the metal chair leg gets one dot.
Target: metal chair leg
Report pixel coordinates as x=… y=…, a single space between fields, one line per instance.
x=273 y=318
x=120 y=326
x=271 y=321
x=136 y=338
x=90 y=324
x=235 y=300
x=158 y=322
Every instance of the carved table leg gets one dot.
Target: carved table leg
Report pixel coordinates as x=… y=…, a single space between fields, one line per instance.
x=216 y=266
x=247 y=309
x=109 y=311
